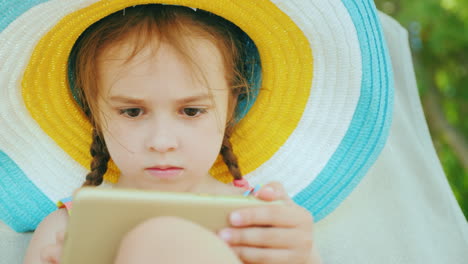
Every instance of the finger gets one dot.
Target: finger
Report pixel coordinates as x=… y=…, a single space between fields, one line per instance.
x=51 y=254
x=266 y=193
x=273 y=191
x=278 y=215
x=251 y=255
x=267 y=237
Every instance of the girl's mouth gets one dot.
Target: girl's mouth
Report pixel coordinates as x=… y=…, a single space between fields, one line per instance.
x=164 y=172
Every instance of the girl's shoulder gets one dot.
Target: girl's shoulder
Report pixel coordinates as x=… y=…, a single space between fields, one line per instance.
x=54 y=222
x=46 y=234
x=58 y=217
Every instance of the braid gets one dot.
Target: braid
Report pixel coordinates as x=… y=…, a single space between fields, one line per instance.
x=230 y=158
x=101 y=157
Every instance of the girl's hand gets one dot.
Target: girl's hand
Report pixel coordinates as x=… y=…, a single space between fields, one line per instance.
x=276 y=233
x=51 y=254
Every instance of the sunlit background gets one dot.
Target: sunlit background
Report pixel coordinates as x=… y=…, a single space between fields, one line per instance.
x=438 y=35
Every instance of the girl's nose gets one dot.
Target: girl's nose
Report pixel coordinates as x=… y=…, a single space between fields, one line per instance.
x=161 y=139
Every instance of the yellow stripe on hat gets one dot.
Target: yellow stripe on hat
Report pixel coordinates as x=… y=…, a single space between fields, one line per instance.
x=287 y=77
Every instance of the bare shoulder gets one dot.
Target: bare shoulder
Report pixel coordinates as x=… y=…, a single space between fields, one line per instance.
x=58 y=219
x=46 y=234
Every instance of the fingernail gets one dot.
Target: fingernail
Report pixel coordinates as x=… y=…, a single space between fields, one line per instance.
x=236 y=219
x=225 y=235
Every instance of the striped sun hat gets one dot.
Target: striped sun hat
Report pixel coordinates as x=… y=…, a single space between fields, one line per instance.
x=318 y=123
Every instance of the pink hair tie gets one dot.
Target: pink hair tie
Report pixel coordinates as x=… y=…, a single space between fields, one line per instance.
x=242 y=183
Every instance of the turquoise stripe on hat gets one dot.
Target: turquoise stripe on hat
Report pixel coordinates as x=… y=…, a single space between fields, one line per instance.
x=13 y=9
x=371 y=122
x=22 y=205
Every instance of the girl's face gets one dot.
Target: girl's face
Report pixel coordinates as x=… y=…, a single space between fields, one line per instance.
x=163 y=123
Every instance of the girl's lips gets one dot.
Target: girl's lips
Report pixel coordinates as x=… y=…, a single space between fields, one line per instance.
x=164 y=173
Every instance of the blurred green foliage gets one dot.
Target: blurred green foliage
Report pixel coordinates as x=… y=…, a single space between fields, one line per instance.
x=438 y=35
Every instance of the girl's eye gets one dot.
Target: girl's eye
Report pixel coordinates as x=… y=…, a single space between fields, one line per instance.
x=193 y=112
x=131 y=112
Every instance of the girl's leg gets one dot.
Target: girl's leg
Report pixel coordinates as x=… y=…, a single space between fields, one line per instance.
x=173 y=240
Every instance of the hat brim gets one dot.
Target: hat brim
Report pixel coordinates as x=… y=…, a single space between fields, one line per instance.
x=319 y=121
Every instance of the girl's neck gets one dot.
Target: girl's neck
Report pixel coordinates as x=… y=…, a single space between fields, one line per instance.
x=208 y=186
x=213 y=186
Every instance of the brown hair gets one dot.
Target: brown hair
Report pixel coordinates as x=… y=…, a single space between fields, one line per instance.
x=170 y=23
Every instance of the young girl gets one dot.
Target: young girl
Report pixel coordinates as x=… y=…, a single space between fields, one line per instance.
x=161 y=85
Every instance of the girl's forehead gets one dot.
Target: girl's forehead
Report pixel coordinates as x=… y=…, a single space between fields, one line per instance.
x=121 y=70
x=200 y=54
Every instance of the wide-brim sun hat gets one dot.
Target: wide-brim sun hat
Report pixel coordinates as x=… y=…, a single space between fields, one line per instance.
x=320 y=119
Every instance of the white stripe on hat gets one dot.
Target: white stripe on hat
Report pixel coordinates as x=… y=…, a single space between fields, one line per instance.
x=46 y=164
x=335 y=92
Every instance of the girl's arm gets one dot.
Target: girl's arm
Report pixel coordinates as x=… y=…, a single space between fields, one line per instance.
x=47 y=238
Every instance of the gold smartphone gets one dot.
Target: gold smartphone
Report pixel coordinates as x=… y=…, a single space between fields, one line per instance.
x=101 y=217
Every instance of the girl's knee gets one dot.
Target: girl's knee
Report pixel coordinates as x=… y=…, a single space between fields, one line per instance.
x=163 y=238
x=154 y=238
x=158 y=228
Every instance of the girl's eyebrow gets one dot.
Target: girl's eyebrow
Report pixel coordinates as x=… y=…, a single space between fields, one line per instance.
x=126 y=99
x=186 y=100
x=195 y=98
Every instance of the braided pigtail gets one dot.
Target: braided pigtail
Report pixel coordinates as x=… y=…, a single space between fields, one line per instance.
x=101 y=157
x=230 y=158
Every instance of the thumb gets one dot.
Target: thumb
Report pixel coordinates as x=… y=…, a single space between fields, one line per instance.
x=273 y=191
